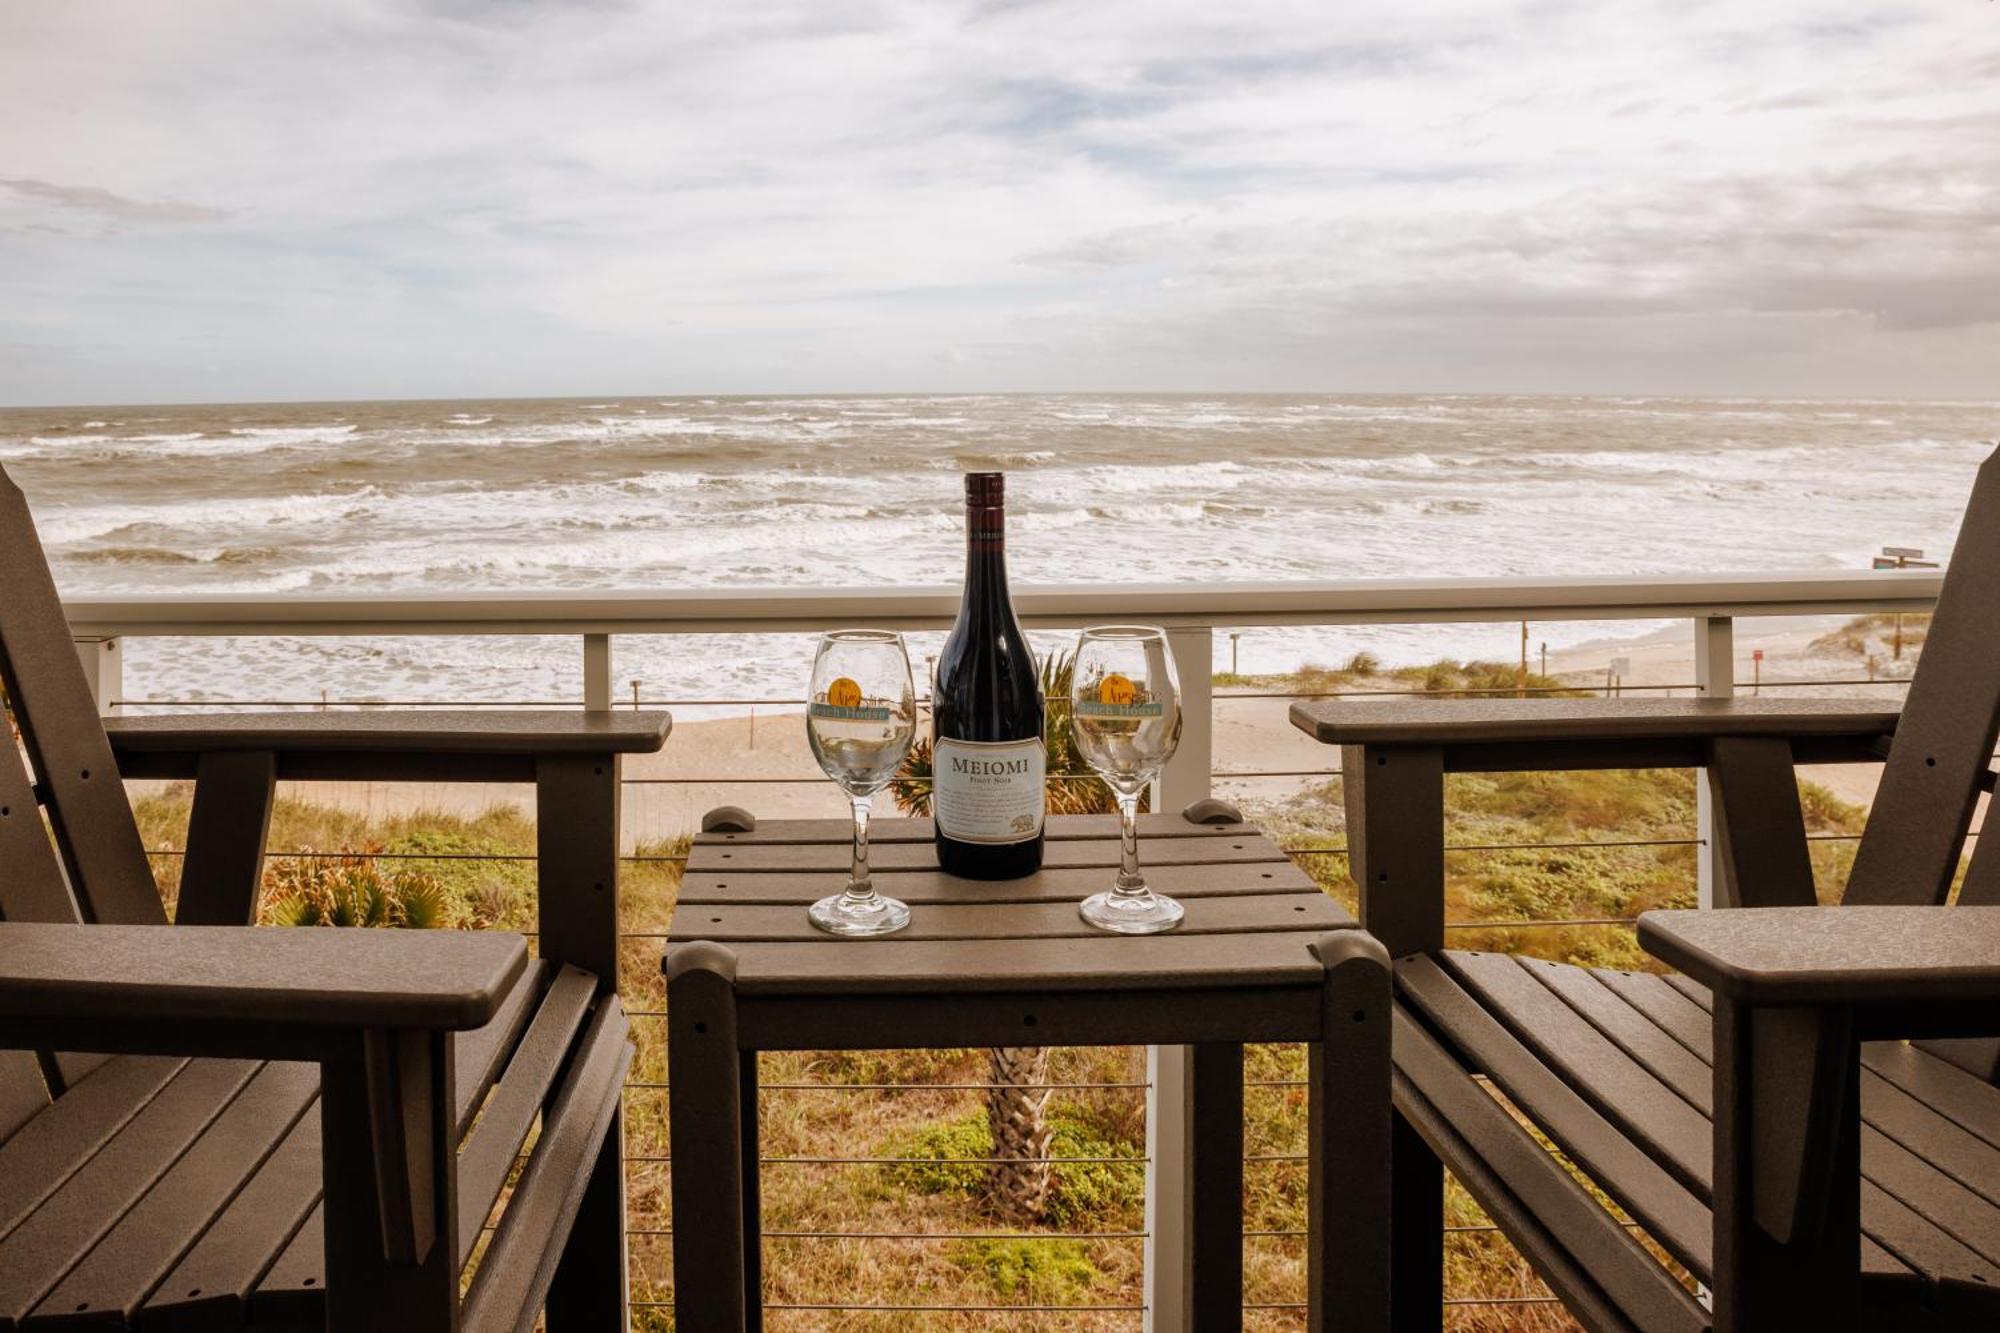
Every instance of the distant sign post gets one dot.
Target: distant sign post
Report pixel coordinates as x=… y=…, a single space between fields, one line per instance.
x=1614 y=675
x=1901 y=557
x=1757 y=671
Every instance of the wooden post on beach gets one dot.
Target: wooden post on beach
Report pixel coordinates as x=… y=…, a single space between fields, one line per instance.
x=1521 y=679
x=1900 y=557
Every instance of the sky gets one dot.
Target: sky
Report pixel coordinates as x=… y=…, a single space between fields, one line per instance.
x=227 y=200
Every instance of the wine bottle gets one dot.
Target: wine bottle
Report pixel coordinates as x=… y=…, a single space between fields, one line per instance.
x=988 y=756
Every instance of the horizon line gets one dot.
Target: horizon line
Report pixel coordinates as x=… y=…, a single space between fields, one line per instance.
x=1600 y=395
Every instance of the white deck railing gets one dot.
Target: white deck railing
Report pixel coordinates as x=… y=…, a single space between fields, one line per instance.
x=1191 y=613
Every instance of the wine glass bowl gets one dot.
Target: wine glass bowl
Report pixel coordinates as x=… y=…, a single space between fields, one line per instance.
x=1125 y=712
x=861 y=715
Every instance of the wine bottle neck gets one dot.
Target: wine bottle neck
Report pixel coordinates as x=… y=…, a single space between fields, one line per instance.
x=986 y=557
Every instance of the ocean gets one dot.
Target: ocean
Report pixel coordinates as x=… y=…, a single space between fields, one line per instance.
x=669 y=493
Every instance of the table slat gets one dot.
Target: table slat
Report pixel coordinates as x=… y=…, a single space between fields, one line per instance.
x=1251 y=914
x=1102 y=962
x=927 y=887
x=889 y=854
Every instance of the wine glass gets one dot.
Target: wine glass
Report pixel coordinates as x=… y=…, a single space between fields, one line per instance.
x=861 y=715
x=1125 y=708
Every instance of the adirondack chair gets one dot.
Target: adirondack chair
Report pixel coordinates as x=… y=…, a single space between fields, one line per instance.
x=1760 y=1118
x=209 y=1125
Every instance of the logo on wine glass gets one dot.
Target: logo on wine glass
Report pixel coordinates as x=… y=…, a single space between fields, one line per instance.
x=843 y=704
x=1116 y=696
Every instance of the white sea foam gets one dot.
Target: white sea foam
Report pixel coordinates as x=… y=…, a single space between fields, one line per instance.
x=687 y=492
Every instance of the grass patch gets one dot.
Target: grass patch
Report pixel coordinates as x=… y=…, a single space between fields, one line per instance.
x=1032 y=1272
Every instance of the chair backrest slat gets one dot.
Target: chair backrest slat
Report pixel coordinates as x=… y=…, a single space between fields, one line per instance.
x=22 y=1092
x=94 y=830
x=31 y=889
x=31 y=880
x=1951 y=720
x=1982 y=877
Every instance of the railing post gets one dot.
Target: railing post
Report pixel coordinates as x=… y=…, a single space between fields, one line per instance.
x=1715 y=678
x=597 y=673
x=1166 y=1189
x=104 y=668
x=1186 y=780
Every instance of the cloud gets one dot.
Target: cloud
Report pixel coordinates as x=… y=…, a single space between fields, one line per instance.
x=455 y=198
x=95 y=200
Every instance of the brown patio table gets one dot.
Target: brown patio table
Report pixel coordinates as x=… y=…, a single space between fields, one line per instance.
x=1262 y=956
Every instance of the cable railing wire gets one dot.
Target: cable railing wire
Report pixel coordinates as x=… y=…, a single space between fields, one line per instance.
x=1223 y=694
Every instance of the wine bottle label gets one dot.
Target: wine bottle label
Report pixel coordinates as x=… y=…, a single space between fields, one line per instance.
x=989 y=791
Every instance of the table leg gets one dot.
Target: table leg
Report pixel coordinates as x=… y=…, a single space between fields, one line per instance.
x=751 y=1174
x=704 y=1107
x=1348 y=1189
x=1215 y=1187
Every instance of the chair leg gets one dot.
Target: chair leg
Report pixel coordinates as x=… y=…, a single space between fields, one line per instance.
x=591 y=1287
x=1787 y=1169
x=386 y=1133
x=1416 y=1233
x=1348 y=1190
x=704 y=1106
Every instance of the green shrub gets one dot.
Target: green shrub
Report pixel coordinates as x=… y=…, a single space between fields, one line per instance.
x=1036 y=1272
x=953 y=1154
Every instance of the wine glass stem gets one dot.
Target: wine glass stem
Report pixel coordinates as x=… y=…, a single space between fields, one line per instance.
x=860 y=888
x=1130 y=881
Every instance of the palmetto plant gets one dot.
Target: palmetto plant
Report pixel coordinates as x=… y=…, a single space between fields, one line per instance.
x=1018 y=1093
x=351 y=890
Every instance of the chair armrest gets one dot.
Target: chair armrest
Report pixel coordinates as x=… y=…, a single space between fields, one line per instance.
x=459 y=731
x=272 y=993
x=1861 y=956
x=1447 y=722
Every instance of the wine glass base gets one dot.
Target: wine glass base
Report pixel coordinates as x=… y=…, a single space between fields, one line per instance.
x=883 y=916
x=1146 y=914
